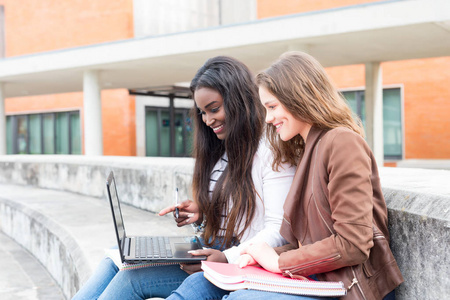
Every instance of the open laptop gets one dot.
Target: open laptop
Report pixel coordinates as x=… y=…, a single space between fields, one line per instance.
x=149 y=249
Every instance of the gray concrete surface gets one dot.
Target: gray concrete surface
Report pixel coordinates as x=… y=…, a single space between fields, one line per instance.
x=144 y=182
x=67 y=229
x=67 y=233
x=439 y=164
x=22 y=277
x=419 y=223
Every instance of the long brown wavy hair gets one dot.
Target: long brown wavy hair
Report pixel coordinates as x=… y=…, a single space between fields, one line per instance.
x=245 y=126
x=303 y=87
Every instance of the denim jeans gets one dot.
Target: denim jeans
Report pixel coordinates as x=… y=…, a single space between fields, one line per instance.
x=197 y=287
x=108 y=283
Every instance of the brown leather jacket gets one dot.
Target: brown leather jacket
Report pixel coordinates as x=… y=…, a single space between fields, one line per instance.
x=336 y=211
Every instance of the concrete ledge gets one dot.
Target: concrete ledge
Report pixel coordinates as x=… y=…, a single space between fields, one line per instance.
x=440 y=164
x=418 y=201
x=67 y=232
x=143 y=182
x=53 y=247
x=22 y=276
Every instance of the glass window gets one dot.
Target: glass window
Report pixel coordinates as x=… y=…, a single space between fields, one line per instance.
x=9 y=135
x=179 y=134
x=75 y=133
x=164 y=140
x=62 y=133
x=362 y=108
x=22 y=135
x=355 y=100
x=189 y=134
x=49 y=133
x=392 y=123
x=351 y=100
x=151 y=132
x=157 y=131
x=35 y=134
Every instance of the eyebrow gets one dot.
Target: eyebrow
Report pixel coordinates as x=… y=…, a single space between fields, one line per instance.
x=268 y=102
x=209 y=104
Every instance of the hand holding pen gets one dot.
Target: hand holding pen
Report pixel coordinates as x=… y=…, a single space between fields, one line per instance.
x=177 y=211
x=186 y=212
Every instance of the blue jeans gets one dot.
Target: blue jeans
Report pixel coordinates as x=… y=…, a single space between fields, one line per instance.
x=197 y=287
x=108 y=283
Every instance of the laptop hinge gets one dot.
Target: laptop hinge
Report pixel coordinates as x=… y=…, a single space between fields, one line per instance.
x=126 y=246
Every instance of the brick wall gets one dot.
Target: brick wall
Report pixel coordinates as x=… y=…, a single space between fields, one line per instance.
x=34 y=26
x=270 y=8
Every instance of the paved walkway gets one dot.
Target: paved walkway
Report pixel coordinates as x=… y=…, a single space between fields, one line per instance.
x=85 y=220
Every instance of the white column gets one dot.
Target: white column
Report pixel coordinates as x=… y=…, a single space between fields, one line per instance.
x=374 y=110
x=93 y=135
x=2 y=121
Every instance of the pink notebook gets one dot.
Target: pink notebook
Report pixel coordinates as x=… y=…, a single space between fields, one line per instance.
x=230 y=277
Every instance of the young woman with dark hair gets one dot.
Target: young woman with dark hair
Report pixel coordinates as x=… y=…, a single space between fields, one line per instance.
x=237 y=196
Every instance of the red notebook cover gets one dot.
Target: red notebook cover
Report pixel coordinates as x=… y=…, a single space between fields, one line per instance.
x=231 y=273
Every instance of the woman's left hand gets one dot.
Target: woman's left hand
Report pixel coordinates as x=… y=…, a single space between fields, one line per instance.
x=211 y=255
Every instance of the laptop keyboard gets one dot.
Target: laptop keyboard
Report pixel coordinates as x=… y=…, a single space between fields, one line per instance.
x=153 y=247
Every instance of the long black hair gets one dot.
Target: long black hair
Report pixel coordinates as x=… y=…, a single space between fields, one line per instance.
x=244 y=117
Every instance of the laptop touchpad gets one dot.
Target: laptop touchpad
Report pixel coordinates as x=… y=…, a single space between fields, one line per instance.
x=181 y=249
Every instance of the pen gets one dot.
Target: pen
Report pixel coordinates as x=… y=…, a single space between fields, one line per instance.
x=177 y=212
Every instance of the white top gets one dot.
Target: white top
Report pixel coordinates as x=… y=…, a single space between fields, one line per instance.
x=273 y=188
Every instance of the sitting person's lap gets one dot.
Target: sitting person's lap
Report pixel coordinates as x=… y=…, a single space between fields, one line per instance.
x=108 y=283
x=196 y=286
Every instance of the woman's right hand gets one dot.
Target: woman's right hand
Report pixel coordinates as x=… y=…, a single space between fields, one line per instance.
x=189 y=212
x=262 y=254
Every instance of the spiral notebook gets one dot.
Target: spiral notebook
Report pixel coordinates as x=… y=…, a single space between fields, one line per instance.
x=230 y=277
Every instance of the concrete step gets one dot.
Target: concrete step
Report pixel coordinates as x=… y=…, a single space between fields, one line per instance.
x=68 y=233
x=22 y=277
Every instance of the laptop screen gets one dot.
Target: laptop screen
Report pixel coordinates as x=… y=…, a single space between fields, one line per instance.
x=116 y=209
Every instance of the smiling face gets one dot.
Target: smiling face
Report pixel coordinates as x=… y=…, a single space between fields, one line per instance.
x=287 y=126
x=210 y=105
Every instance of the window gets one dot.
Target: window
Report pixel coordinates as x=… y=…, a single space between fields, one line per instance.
x=48 y=133
x=392 y=124
x=157 y=132
x=74 y=132
x=9 y=136
x=392 y=119
x=62 y=133
x=35 y=134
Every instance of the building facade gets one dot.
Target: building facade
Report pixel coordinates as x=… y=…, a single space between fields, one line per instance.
x=415 y=92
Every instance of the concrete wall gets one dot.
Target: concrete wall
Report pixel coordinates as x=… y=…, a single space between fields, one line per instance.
x=143 y=182
x=418 y=202
x=155 y=17
x=52 y=246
